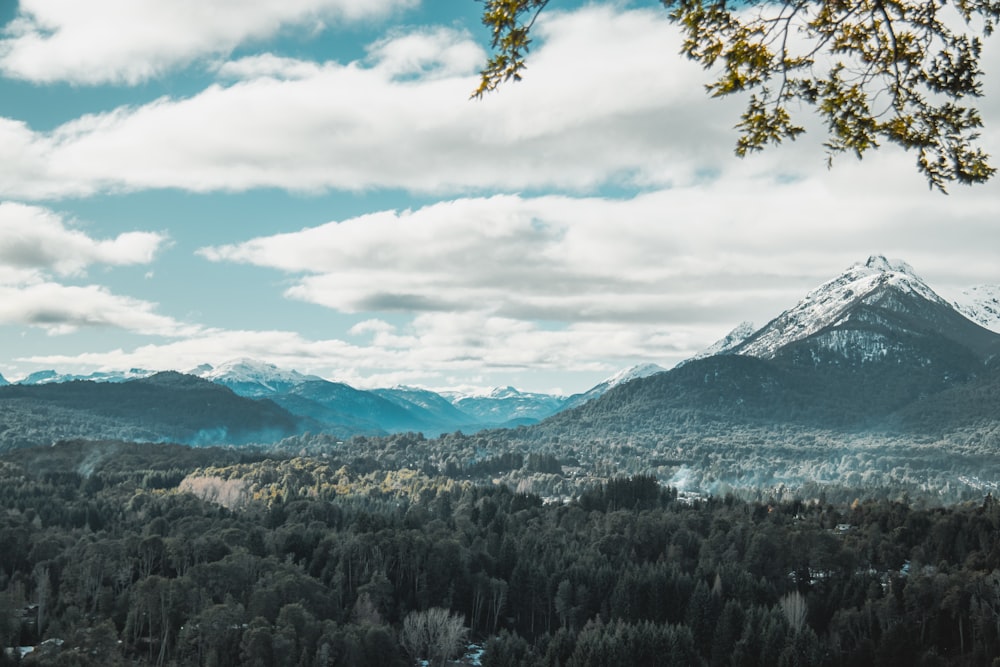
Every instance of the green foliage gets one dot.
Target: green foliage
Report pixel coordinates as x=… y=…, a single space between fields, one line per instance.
x=898 y=71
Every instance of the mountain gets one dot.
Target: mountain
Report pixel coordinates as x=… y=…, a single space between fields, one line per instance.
x=252 y=378
x=506 y=406
x=346 y=411
x=3 y=381
x=740 y=333
x=874 y=348
x=981 y=304
x=52 y=377
x=879 y=309
x=166 y=406
x=624 y=375
x=433 y=407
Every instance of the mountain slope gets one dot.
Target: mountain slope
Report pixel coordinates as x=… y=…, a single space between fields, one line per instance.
x=622 y=376
x=737 y=336
x=163 y=407
x=981 y=304
x=346 y=410
x=431 y=407
x=874 y=348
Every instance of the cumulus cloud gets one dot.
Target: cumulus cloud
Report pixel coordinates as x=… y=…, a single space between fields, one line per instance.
x=37 y=244
x=663 y=257
x=62 y=309
x=37 y=239
x=129 y=41
x=432 y=350
x=402 y=118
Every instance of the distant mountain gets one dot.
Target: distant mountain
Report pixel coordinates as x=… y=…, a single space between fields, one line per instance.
x=252 y=378
x=874 y=348
x=163 y=407
x=624 y=375
x=506 y=406
x=432 y=407
x=981 y=304
x=52 y=377
x=344 y=410
x=3 y=381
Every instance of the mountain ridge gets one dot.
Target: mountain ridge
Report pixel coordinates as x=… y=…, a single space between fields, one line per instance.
x=863 y=351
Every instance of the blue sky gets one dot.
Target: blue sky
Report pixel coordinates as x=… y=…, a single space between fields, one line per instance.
x=307 y=183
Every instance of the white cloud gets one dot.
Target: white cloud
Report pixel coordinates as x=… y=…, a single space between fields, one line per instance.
x=36 y=239
x=62 y=309
x=129 y=41
x=432 y=351
x=37 y=243
x=608 y=98
x=664 y=257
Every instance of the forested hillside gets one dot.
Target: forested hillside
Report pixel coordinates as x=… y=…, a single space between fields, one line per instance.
x=164 y=407
x=109 y=561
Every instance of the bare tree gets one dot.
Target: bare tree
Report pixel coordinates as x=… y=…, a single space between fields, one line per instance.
x=795 y=607
x=434 y=635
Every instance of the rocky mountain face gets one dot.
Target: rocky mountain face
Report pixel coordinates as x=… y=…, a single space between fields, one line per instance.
x=981 y=304
x=874 y=348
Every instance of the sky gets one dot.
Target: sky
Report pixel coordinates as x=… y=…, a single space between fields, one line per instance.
x=308 y=183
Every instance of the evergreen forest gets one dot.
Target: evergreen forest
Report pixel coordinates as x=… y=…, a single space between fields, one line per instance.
x=114 y=553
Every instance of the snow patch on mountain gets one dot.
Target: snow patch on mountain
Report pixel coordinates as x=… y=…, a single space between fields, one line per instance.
x=981 y=304
x=740 y=333
x=621 y=377
x=632 y=373
x=831 y=302
x=250 y=377
x=502 y=405
x=52 y=377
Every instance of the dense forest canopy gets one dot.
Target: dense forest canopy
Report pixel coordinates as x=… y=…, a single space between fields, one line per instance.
x=112 y=556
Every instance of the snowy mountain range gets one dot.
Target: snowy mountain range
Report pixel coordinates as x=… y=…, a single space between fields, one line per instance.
x=344 y=410
x=874 y=350
x=876 y=311
x=52 y=377
x=252 y=378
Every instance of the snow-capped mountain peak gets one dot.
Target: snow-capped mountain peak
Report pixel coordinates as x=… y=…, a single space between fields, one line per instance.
x=828 y=304
x=981 y=304
x=250 y=377
x=504 y=392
